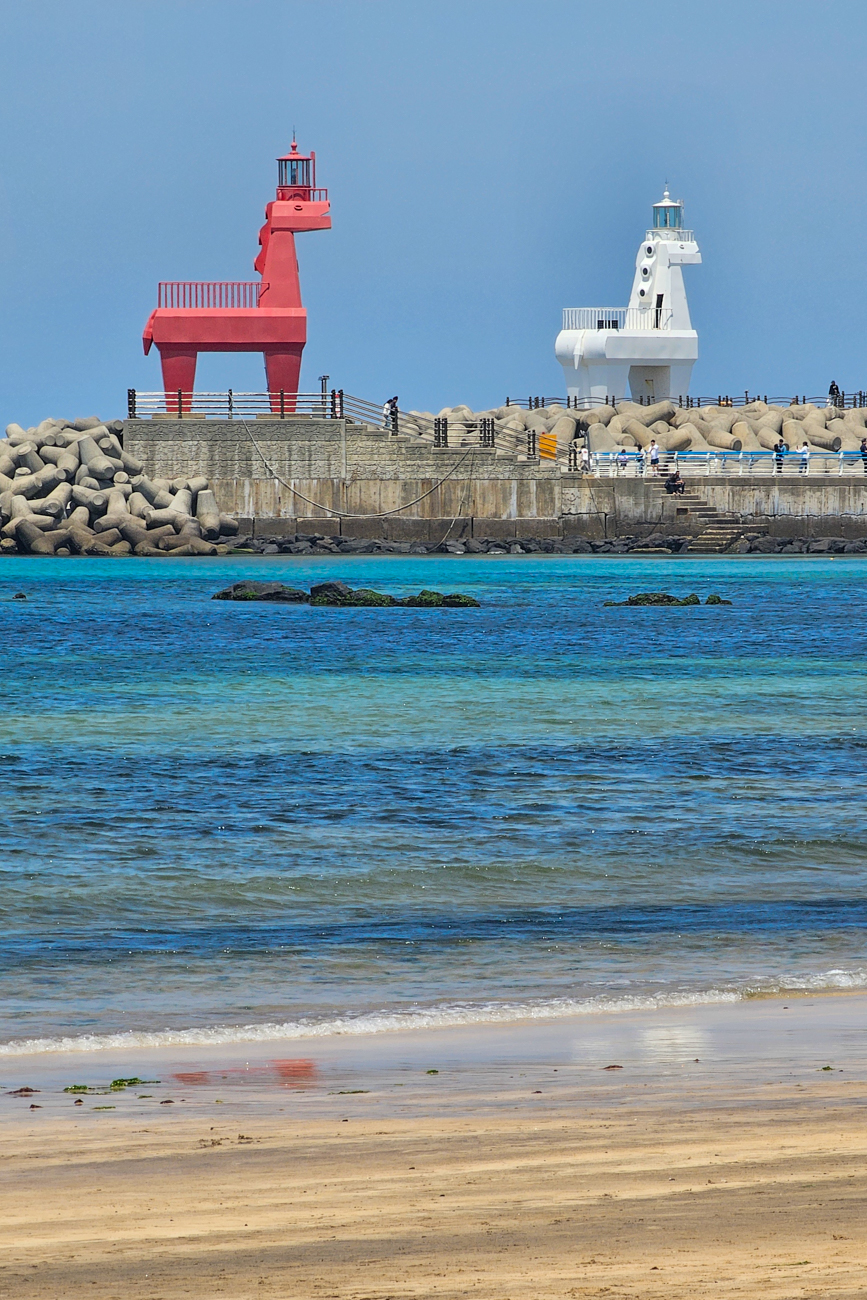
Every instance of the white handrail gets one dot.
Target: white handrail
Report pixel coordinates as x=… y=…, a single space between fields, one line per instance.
x=617 y=318
x=635 y=463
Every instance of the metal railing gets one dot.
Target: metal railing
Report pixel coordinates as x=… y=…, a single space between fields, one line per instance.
x=845 y=401
x=704 y=464
x=303 y=193
x=672 y=234
x=232 y=405
x=280 y=404
x=333 y=405
x=181 y=294
x=617 y=318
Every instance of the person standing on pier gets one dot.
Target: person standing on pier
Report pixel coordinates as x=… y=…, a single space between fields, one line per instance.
x=804 y=466
x=863 y=450
x=779 y=452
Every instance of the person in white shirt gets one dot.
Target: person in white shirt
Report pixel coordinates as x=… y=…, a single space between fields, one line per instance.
x=653 y=452
x=585 y=461
x=805 y=458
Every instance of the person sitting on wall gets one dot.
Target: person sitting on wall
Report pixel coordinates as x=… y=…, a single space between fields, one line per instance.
x=674 y=484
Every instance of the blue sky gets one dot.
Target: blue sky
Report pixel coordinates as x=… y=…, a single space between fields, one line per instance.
x=488 y=164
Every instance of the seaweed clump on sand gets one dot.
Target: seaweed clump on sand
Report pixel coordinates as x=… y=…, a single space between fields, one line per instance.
x=664 y=599
x=341 y=595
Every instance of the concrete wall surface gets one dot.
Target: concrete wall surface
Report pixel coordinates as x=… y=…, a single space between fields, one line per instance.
x=288 y=474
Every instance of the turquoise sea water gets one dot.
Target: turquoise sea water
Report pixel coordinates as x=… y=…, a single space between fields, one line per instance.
x=223 y=821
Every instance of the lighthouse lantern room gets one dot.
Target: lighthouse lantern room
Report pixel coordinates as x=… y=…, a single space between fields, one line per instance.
x=648 y=347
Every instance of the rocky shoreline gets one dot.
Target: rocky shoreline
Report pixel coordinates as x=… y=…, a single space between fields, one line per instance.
x=656 y=544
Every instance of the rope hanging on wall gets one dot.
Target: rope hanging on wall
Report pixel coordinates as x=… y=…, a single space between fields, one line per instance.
x=342 y=514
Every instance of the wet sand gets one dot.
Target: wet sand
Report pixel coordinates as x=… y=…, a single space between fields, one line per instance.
x=523 y=1168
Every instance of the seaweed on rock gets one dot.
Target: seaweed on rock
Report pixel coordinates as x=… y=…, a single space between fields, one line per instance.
x=338 y=594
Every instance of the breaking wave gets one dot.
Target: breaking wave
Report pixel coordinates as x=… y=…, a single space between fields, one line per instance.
x=452 y=1015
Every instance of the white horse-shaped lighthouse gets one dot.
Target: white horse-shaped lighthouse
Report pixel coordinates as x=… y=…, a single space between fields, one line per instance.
x=649 y=346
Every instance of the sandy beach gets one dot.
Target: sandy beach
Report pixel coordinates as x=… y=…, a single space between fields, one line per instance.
x=522 y=1167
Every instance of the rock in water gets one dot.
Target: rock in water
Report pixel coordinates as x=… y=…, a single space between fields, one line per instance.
x=330 y=593
x=656 y=598
x=366 y=596
x=425 y=599
x=339 y=594
x=269 y=591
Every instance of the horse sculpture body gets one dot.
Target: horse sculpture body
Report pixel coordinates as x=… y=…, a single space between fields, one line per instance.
x=260 y=316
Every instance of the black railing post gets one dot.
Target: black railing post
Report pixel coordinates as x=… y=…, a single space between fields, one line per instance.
x=282 y=404
x=340 y=395
x=180 y=403
x=334 y=403
x=531 y=442
x=130 y=403
x=231 y=403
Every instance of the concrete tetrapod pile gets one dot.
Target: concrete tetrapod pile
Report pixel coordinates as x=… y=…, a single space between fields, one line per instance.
x=69 y=488
x=511 y=425
x=755 y=427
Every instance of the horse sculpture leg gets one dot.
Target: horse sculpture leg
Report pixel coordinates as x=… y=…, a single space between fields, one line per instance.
x=283 y=370
x=179 y=375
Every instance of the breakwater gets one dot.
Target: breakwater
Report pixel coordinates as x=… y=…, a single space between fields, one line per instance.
x=291 y=481
x=311 y=486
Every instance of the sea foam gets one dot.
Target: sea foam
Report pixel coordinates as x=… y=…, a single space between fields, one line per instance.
x=454 y=1015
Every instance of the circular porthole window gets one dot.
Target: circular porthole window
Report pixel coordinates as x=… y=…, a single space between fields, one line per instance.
x=645 y=270
x=649 y=250
x=641 y=293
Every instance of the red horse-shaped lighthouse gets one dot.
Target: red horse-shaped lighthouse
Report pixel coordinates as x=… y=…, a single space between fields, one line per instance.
x=246 y=316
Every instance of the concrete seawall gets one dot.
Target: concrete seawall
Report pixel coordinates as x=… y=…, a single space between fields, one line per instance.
x=474 y=491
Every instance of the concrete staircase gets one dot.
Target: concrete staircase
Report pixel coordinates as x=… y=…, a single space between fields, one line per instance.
x=719 y=530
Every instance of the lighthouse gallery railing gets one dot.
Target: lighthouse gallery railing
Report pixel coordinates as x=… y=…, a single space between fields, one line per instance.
x=617 y=318
x=210 y=293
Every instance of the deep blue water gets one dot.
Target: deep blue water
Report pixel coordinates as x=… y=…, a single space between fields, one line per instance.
x=218 y=815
